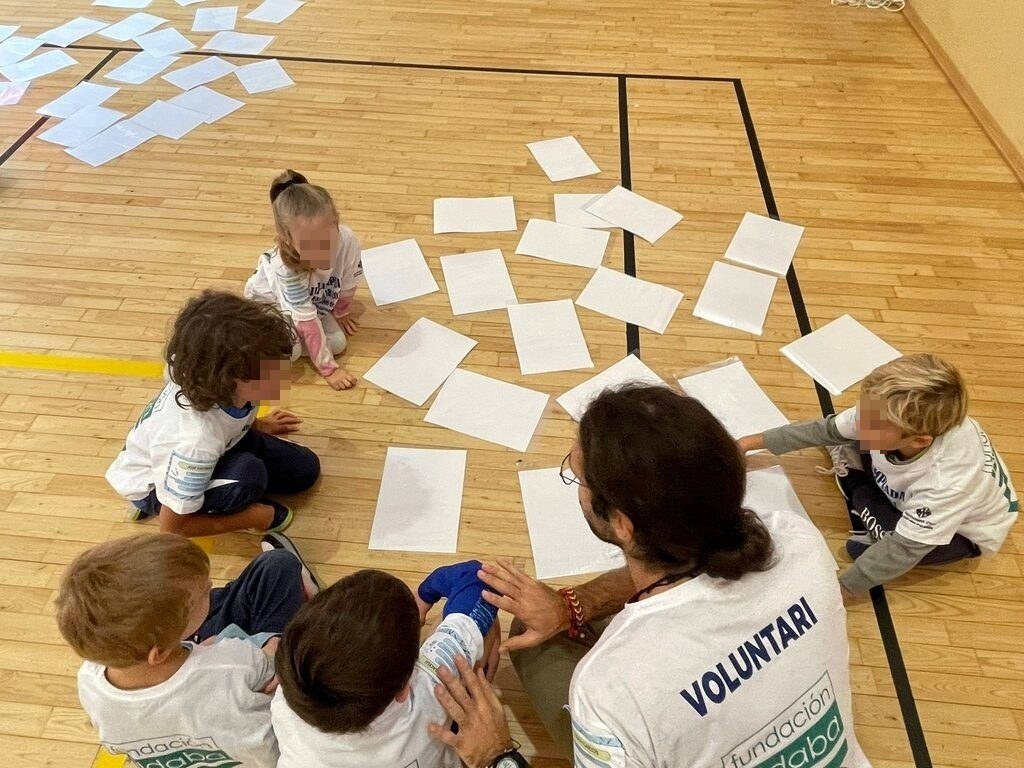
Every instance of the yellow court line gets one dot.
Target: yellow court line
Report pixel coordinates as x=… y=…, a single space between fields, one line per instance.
x=106 y=760
x=107 y=365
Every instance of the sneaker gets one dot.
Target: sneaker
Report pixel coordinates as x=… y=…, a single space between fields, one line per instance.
x=310 y=582
x=282 y=516
x=137 y=515
x=844 y=458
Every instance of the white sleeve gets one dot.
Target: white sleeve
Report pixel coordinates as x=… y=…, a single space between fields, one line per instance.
x=185 y=477
x=846 y=423
x=291 y=290
x=350 y=258
x=457 y=635
x=594 y=744
x=934 y=516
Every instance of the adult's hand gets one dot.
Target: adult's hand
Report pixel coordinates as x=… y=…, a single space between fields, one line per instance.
x=539 y=607
x=471 y=702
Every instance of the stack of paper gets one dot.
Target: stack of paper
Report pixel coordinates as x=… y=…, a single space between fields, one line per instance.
x=629 y=370
x=563 y=158
x=397 y=272
x=736 y=297
x=474 y=214
x=568 y=245
x=548 y=337
x=764 y=243
x=735 y=399
x=634 y=213
x=477 y=282
x=631 y=300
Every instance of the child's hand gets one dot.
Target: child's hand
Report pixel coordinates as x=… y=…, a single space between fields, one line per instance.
x=492 y=652
x=278 y=422
x=750 y=443
x=348 y=325
x=271 y=685
x=341 y=379
x=424 y=608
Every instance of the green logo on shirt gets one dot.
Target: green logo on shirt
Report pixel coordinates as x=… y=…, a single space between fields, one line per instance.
x=175 y=752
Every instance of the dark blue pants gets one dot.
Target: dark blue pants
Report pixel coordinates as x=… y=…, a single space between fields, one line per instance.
x=259 y=464
x=263 y=598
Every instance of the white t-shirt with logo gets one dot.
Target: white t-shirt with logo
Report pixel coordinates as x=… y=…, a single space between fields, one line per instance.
x=959 y=484
x=175 y=450
x=712 y=673
x=398 y=738
x=209 y=714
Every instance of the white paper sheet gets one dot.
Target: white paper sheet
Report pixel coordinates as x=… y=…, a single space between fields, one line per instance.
x=72 y=31
x=839 y=354
x=82 y=95
x=563 y=158
x=736 y=297
x=14 y=49
x=263 y=76
x=140 y=68
x=474 y=214
x=6 y=30
x=420 y=361
x=630 y=299
x=206 y=71
x=136 y=4
x=213 y=104
x=274 y=11
x=769 y=490
x=569 y=211
x=396 y=272
x=764 y=243
x=214 y=19
x=420 y=501
x=38 y=66
x=629 y=370
x=488 y=409
x=132 y=26
x=164 y=42
x=735 y=399
x=238 y=42
x=568 y=245
x=477 y=281
x=81 y=126
x=562 y=542
x=169 y=120
x=548 y=337
x=186 y=3
x=11 y=93
x=115 y=141
x=634 y=213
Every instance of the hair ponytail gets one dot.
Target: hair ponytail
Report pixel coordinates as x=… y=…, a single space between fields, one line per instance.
x=291 y=197
x=287 y=179
x=749 y=549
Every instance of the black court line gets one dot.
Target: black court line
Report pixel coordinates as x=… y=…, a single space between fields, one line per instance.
x=890 y=641
x=628 y=243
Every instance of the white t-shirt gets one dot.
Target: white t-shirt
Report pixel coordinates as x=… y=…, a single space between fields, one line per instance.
x=210 y=713
x=306 y=294
x=725 y=674
x=175 y=450
x=959 y=484
x=398 y=738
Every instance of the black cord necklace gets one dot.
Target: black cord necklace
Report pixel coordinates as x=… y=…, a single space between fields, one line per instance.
x=664 y=581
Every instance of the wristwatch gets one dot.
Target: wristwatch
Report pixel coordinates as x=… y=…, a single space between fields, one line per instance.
x=510 y=759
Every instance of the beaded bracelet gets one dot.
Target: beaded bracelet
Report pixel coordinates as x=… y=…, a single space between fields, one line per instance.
x=576 y=620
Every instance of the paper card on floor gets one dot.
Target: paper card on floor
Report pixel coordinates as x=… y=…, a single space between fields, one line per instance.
x=769 y=490
x=274 y=11
x=6 y=30
x=562 y=542
x=474 y=214
x=136 y=4
x=563 y=158
x=72 y=31
x=629 y=299
x=131 y=27
x=207 y=101
x=488 y=409
x=38 y=66
x=396 y=272
x=629 y=370
x=735 y=399
x=839 y=354
x=185 y=3
x=569 y=211
x=140 y=68
x=81 y=126
x=214 y=19
x=206 y=71
x=164 y=42
x=634 y=213
x=764 y=243
x=559 y=242
x=15 y=49
x=477 y=281
x=548 y=337
x=420 y=361
x=115 y=141
x=169 y=120
x=263 y=76
x=736 y=297
x=82 y=95
x=238 y=42
x=420 y=501
x=11 y=93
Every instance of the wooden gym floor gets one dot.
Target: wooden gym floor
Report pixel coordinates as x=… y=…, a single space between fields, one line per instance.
x=913 y=226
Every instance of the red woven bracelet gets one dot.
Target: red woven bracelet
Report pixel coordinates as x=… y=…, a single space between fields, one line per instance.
x=576 y=620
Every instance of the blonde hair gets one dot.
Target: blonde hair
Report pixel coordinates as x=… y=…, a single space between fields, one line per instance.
x=122 y=598
x=923 y=395
x=292 y=197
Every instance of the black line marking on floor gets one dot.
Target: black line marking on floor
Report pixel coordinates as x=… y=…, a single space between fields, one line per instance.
x=626 y=173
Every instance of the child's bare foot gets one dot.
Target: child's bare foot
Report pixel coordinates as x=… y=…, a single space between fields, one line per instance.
x=341 y=379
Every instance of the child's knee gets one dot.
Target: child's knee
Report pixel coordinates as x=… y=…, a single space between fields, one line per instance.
x=279 y=562
x=337 y=342
x=307 y=470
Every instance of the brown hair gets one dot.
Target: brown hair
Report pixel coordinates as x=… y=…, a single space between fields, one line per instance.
x=219 y=339
x=375 y=616
x=922 y=394
x=667 y=464
x=120 y=599
x=291 y=197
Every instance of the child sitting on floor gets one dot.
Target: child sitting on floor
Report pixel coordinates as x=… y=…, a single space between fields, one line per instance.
x=928 y=487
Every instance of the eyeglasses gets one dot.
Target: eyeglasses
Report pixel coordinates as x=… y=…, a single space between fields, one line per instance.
x=567 y=475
